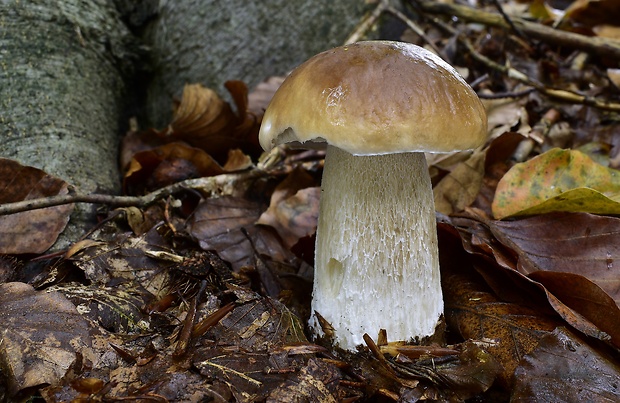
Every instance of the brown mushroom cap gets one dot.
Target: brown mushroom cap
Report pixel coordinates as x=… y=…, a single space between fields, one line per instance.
x=376 y=97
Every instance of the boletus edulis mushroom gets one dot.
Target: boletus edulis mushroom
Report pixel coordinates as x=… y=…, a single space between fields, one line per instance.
x=379 y=105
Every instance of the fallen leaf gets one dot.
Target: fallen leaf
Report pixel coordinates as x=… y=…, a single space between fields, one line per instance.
x=575 y=298
x=578 y=243
x=564 y=368
x=170 y=163
x=226 y=225
x=460 y=187
x=558 y=180
x=586 y=298
x=294 y=207
x=204 y=120
x=124 y=258
x=42 y=334
x=116 y=309
x=593 y=12
x=260 y=97
x=505 y=115
x=237 y=160
x=316 y=382
x=32 y=231
x=510 y=330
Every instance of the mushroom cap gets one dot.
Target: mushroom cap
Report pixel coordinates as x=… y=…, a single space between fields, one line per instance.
x=376 y=97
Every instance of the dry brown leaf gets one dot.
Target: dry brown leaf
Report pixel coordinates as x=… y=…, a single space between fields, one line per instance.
x=460 y=187
x=294 y=207
x=200 y=113
x=564 y=368
x=30 y=231
x=511 y=330
x=237 y=160
x=167 y=164
x=295 y=217
x=586 y=298
x=593 y=12
x=226 y=225
x=578 y=300
x=116 y=309
x=42 y=334
x=259 y=99
x=579 y=243
x=206 y=121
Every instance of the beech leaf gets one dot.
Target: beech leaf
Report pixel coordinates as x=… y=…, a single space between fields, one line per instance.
x=476 y=313
x=578 y=243
x=226 y=225
x=564 y=368
x=460 y=187
x=41 y=334
x=167 y=164
x=30 y=231
x=294 y=208
x=558 y=180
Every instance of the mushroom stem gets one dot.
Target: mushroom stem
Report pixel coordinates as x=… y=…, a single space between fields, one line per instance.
x=376 y=258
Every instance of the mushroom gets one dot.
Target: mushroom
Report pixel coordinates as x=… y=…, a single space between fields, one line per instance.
x=379 y=105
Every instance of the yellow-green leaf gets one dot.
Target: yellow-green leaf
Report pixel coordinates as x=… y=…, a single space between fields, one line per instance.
x=558 y=180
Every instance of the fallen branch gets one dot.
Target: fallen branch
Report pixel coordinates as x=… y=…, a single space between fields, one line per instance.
x=559 y=94
x=215 y=185
x=595 y=45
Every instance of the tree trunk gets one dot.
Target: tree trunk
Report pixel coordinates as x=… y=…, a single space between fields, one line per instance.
x=61 y=82
x=211 y=41
x=67 y=68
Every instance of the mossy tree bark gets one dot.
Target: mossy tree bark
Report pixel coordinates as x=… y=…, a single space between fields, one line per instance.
x=211 y=41
x=62 y=71
x=67 y=69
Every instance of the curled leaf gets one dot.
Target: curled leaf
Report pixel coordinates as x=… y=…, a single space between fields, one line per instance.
x=294 y=208
x=204 y=120
x=167 y=164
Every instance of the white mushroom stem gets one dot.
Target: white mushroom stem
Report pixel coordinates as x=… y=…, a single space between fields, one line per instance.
x=376 y=253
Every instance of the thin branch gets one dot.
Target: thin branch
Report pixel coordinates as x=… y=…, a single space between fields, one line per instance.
x=367 y=23
x=220 y=184
x=595 y=45
x=508 y=20
x=560 y=94
x=415 y=28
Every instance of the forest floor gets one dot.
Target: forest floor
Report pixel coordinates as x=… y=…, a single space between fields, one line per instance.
x=196 y=285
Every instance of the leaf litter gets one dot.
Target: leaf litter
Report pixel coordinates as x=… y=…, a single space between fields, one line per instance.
x=205 y=296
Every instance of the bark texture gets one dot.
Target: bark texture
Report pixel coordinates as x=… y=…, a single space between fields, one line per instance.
x=61 y=83
x=211 y=41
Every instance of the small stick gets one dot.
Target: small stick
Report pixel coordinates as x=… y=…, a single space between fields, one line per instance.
x=188 y=324
x=220 y=184
x=367 y=23
x=596 y=45
x=415 y=28
x=560 y=94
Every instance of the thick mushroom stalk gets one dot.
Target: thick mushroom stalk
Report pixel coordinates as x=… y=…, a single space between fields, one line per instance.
x=376 y=264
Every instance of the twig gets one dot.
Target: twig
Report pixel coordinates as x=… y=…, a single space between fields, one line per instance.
x=415 y=28
x=512 y=94
x=188 y=324
x=220 y=184
x=367 y=23
x=508 y=20
x=563 y=95
x=596 y=45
